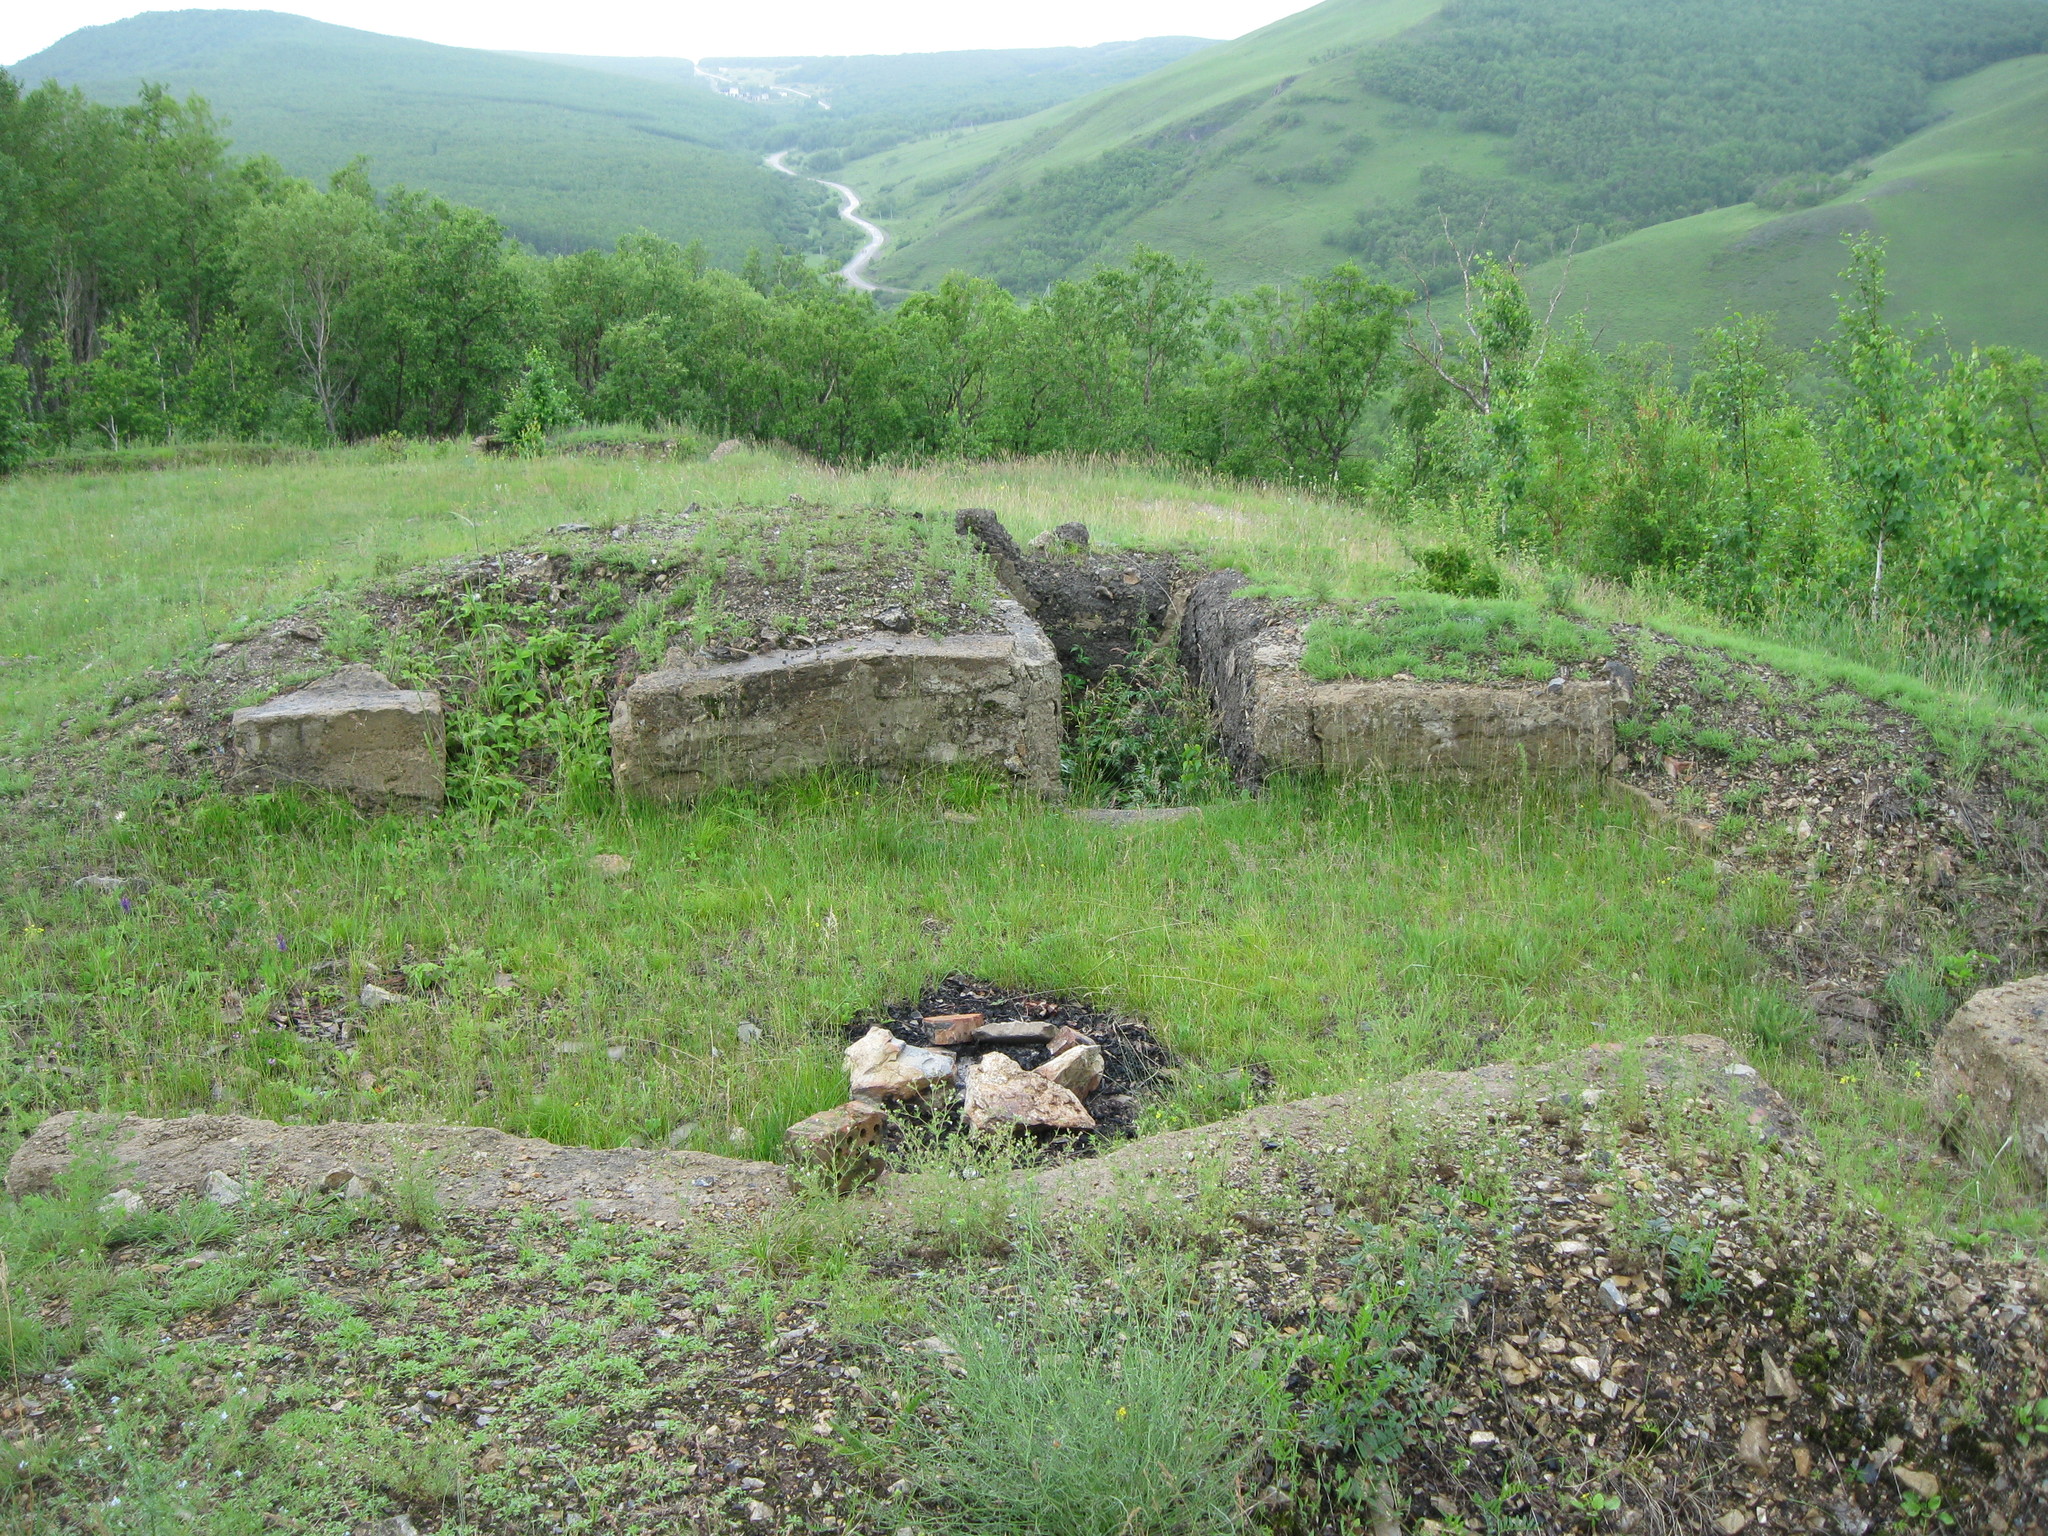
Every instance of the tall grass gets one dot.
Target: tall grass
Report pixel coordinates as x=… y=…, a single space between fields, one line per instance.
x=1114 y=1406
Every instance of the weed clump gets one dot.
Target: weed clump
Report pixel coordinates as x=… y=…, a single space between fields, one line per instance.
x=1454 y=570
x=1141 y=735
x=1121 y=1407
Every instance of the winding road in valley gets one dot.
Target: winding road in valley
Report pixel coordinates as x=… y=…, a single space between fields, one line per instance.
x=855 y=271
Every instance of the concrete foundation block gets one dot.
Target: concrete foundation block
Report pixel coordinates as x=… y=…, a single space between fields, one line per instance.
x=354 y=732
x=881 y=701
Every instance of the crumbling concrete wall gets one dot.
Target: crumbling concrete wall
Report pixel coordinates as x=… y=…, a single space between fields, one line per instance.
x=353 y=731
x=880 y=701
x=474 y=1169
x=1272 y=716
x=1098 y=607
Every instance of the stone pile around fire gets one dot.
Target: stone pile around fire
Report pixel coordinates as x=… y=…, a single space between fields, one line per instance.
x=966 y=1063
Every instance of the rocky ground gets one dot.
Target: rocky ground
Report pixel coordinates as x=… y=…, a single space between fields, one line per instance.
x=1840 y=793
x=1604 y=1295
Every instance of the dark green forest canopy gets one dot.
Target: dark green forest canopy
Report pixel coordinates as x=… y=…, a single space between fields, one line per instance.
x=1635 y=111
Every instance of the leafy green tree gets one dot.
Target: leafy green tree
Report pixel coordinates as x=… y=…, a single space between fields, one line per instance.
x=1159 y=305
x=1882 y=445
x=1983 y=540
x=17 y=432
x=308 y=264
x=1774 y=538
x=951 y=339
x=446 y=317
x=1310 y=362
x=127 y=392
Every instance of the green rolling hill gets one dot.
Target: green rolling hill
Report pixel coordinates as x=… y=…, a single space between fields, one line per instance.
x=949 y=200
x=566 y=157
x=1630 y=132
x=1963 y=206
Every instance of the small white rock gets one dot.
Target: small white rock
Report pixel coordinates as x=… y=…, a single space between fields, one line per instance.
x=374 y=996
x=221 y=1189
x=124 y=1202
x=1586 y=1366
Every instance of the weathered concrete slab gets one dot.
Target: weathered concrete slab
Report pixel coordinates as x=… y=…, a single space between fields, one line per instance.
x=1991 y=1064
x=1704 y=1067
x=353 y=731
x=880 y=701
x=474 y=1169
x=1274 y=717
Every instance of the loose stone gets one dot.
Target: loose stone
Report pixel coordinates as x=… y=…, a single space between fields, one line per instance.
x=999 y=1092
x=880 y=1066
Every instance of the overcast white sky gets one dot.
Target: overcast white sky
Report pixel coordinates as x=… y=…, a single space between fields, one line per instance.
x=696 y=30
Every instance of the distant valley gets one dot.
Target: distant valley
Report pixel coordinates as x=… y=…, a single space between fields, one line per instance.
x=1661 y=164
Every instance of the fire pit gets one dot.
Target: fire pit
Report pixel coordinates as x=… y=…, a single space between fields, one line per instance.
x=969 y=1057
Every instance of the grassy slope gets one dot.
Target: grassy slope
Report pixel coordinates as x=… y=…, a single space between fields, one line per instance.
x=568 y=158
x=1963 y=204
x=1348 y=935
x=1247 y=232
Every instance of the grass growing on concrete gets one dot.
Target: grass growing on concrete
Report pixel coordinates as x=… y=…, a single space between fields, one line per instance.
x=1446 y=638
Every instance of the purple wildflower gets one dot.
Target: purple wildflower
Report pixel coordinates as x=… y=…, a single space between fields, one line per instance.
x=127 y=905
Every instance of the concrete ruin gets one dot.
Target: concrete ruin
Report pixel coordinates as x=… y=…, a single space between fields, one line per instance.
x=474 y=1169
x=1271 y=716
x=1098 y=607
x=353 y=731
x=879 y=701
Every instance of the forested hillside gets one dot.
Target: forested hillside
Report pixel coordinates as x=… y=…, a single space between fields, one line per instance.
x=1370 y=127
x=1963 y=206
x=566 y=158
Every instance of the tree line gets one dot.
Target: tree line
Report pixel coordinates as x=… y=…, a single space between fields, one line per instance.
x=157 y=290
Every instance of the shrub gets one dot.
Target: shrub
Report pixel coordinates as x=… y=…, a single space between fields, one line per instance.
x=1456 y=570
x=15 y=428
x=539 y=403
x=1141 y=736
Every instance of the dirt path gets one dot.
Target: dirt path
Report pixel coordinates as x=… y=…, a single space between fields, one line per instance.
x=855 y=271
